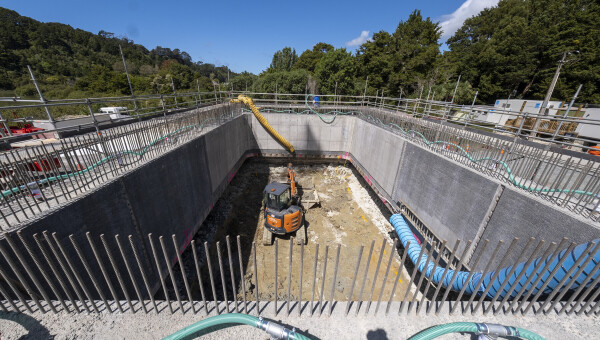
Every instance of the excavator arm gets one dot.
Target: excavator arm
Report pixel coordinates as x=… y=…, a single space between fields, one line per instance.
x=292 y=179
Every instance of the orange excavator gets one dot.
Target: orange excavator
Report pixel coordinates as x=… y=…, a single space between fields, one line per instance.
x=284 y=210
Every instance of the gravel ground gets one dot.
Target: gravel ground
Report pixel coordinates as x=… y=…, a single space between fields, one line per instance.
x=336 y=326
x=346 y=216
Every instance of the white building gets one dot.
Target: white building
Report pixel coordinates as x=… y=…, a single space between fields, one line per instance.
x=505 y=109
x=501 y=112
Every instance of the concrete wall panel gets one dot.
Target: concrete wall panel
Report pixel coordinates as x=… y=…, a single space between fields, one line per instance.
x=379 y=151
x=449 y=198
x=522 y=216
x=224 y=147
x=174 y=193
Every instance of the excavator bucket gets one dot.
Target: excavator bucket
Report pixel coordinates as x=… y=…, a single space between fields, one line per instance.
x=310 y=196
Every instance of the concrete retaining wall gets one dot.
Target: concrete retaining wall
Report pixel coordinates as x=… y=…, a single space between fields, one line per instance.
x=171 y=194
x=306 y=133
x=174 y=193
x=452 y=200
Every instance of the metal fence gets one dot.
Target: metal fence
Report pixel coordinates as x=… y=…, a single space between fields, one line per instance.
x=567 y=128
x=567 y=179
x=64 y=115
x=51 y=172
x=73 y=274
x=571 y=181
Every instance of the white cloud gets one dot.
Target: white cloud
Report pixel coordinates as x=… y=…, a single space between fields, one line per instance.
x=363 y=38
x=452 y=22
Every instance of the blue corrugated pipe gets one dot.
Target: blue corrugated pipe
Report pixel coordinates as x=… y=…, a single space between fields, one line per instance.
x=406 y=234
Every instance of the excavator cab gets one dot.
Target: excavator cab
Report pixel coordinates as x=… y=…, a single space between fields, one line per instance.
x=282 y=216
x=277 y=196
x=283 y=213
x=284 y=206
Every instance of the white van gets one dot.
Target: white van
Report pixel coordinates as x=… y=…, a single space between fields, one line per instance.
x=116 y=112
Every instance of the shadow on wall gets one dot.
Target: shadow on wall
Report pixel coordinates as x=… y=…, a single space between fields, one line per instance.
x=241 y=201
x=311 y=141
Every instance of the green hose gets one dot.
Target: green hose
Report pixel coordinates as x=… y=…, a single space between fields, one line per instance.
x=327 y=120
x=469 y=327
x=223 y=321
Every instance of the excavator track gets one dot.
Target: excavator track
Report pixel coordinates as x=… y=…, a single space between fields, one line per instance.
x=301 y=235
x=267 y=238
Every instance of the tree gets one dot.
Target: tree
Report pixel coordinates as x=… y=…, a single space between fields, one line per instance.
x=405 y=59
x=87 y=60
x=243 y=81
x=336 y=67
x=417 y=48
x=517 y=45
x=146 y=70
x=375 y=59
x=309 y=59
x=283 y=60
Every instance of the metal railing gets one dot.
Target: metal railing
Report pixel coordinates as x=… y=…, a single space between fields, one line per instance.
x=59 y=116
x=51 y=172
x=48 y=173
x=567 y=179
x=75 y=275
x=571 y=181
x=559 y=130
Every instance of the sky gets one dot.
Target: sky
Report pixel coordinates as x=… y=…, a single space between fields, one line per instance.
x=243 y=35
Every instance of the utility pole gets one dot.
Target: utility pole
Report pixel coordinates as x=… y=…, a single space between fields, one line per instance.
x=418 y=101
x=455 y=88
x=128 y=80
x=513 y=93
x=471 y=110
x=399 y=99
x=198 y=89
x=452 y=100
x=174 y=94
x=428 y=111
x=215 y=90
x=565 y=115
x=42 y=99
x=427 y=100
x=335 y=94
x=365 y=93
x=538 y=121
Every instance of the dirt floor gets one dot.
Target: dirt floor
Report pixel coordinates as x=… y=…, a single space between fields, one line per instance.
x=347 y=216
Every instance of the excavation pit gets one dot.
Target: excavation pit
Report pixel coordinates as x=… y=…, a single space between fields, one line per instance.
x=349 y=216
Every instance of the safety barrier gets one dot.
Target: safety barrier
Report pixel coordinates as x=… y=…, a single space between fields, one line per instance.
x=75 y=164
x=51 y=172
x=50 y=272
x=566 y=179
